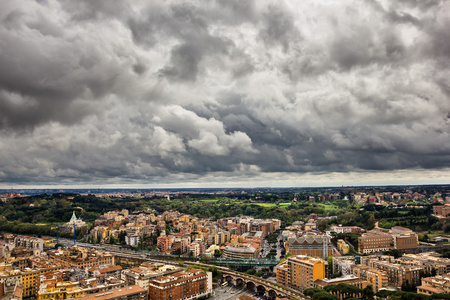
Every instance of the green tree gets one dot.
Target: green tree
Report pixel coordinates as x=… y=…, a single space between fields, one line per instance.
x=367 y=293
x=217 y=253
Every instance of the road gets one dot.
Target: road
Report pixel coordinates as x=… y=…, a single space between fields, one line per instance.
x=230 y=293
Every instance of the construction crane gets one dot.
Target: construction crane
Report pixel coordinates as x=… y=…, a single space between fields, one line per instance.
x=57 y=234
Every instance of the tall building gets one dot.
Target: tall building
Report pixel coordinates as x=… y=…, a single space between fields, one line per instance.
x=190 y=284
x=282 y=273
x=302 y=272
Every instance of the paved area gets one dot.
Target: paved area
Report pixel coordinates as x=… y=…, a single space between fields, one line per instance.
x=230 y=293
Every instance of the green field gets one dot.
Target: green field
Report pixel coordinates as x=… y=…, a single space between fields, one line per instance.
x=329 y=206
x=209 y=200
x=269 y=205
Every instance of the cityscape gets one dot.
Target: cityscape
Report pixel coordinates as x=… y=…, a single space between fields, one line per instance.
x=224 y=149
x=342 y=242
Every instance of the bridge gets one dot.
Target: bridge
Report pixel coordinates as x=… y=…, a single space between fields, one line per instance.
x=259 y=285
x=249 y=262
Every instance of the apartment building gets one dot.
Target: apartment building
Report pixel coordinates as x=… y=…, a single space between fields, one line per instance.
x=282 y=273
x=398 y=274
x=439 y=284
x=28 y=279
x=142 y=275
x=190 y=284
x=304 y=270
x=81 y=258
x=193 y=249
x=376 y=278
x=164 y=243
x=428 y=261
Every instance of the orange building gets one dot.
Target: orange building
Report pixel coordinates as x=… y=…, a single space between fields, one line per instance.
x=164 y=243
x=304 y=270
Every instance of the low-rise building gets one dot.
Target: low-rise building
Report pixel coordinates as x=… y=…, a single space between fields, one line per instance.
x=349 y=279
x=241 y=251
x=126 y=293
x=439 y=284
x=142 y=275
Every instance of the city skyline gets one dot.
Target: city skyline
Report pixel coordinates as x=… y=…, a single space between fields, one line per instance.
x=152 y=94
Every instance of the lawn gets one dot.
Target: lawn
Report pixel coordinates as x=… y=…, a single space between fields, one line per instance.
x=329 y=206
x=273 y=204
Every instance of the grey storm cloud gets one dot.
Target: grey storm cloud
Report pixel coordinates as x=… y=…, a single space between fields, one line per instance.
x=167 y=91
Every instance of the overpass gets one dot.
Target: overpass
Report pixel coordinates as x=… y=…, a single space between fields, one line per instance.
x=260 y=285
x=241 y=262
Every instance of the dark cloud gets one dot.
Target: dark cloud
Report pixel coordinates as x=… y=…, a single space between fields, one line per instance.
x=216 y=91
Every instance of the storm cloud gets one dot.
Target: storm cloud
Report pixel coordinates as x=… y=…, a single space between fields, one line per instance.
x=159 y=92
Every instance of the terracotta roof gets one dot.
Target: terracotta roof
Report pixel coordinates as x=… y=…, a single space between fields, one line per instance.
x=110 y=269
x=430 y=289
x=137 y=270
x=128 y=290
x=18 y=292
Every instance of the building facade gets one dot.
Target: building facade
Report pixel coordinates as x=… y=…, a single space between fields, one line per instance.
x=191 y=284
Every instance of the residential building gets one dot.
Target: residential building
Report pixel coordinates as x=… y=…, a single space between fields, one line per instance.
x=81 y=258
x=164 y=243
x=376 y=278
x=428 y=261
x=439 y=284
x=142 y=275
x=343 y=246
x=126 y=293
x=282 y=274
x=303 y=271
x=190 y=284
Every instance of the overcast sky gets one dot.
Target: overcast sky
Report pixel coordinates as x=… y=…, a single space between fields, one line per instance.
x=224 y=93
